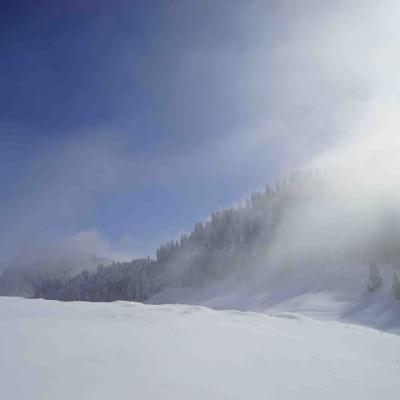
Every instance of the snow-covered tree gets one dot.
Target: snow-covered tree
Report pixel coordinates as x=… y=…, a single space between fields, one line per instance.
x=375 y=279
x=396 y=286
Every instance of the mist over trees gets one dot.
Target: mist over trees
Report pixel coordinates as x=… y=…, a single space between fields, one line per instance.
x=375 y=280
x=282 y=227
x=26 y=272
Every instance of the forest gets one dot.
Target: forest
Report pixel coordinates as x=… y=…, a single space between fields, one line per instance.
x=240 y=242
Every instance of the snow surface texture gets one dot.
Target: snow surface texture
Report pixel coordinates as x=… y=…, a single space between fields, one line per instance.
x=53 y=350
x=328 y=292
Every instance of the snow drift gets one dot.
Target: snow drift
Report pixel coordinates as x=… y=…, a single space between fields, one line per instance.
x=53 y=350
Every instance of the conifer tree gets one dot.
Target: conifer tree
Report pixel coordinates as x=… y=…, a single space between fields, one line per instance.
x=375 y=279
x=396 y=286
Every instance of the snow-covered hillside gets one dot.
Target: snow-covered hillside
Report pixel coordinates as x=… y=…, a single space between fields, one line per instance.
x=122 y=350
x=330 y=292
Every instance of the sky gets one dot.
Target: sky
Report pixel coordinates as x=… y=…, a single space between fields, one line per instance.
x=122 y=123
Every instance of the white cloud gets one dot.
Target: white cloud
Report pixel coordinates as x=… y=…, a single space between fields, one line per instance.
x=91 y=242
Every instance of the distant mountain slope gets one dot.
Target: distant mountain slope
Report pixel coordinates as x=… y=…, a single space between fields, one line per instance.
x=309 y=240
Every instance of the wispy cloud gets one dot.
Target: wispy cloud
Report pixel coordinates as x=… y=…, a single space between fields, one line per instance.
x=248 y=91
x=92 y=243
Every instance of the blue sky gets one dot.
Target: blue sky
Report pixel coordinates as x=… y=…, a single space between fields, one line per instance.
x=132 y=120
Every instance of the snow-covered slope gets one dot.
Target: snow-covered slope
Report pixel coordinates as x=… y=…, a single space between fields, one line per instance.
x=329 y=292
x=53 y=350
